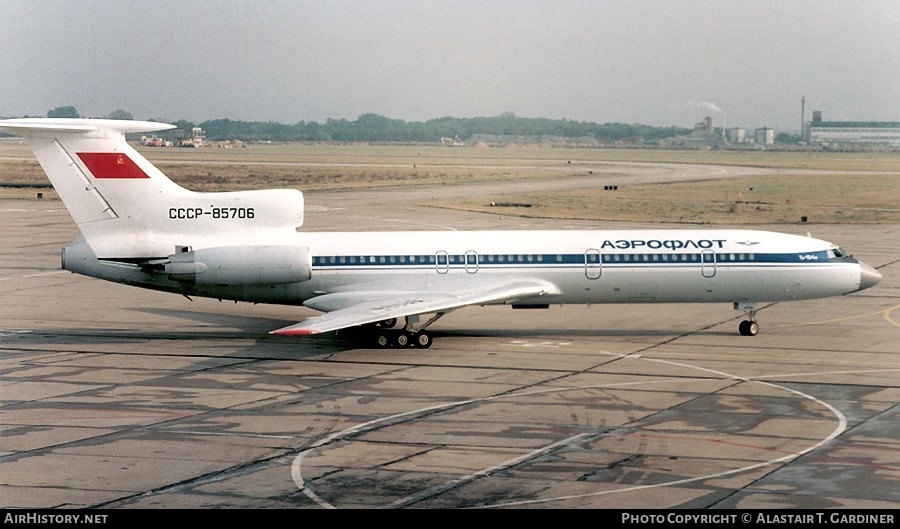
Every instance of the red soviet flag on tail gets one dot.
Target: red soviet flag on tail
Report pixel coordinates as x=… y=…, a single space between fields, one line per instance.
x=111 y=165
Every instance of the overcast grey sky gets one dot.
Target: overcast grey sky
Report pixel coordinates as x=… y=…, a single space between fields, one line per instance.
x=637 y=61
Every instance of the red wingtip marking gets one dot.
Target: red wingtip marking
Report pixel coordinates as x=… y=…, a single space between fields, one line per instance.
x=111 y=165
x=296 y=332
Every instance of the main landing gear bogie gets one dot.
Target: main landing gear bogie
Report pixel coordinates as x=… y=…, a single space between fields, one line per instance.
x=383 y=334
x=403 y=339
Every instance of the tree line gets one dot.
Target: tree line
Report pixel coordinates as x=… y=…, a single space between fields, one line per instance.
x=376 y=128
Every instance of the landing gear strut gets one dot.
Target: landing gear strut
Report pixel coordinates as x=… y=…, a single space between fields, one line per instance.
x=748 y=327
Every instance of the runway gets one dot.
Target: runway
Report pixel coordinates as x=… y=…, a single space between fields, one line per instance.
x=115 y=397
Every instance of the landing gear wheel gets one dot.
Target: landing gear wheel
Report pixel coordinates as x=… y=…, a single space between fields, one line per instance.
x=383 y=340
x=422 y=340
x=748 y=328
x=403 y=339
x=386 y=324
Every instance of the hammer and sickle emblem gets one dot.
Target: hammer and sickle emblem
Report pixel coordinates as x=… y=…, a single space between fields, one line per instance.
x=120 y=160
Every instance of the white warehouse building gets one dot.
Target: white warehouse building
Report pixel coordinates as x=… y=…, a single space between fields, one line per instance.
x=867 y=133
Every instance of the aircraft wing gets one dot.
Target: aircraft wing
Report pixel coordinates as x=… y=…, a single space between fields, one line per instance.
x=349 y=309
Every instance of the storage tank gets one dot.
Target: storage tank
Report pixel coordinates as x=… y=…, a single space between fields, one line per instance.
x=737 y=135
x=765 y=136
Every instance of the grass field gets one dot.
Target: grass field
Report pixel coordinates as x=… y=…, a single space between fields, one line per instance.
x=787 y=198
x=824 y=187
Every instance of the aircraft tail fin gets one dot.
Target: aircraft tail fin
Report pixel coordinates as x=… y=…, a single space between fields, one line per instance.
x=127 y=208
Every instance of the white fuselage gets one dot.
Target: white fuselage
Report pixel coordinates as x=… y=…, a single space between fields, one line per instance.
x=602 y=266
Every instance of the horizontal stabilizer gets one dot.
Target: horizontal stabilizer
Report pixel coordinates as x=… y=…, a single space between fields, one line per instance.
x=49 y=127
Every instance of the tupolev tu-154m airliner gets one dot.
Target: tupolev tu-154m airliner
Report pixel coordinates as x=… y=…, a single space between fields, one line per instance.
x=139 y=228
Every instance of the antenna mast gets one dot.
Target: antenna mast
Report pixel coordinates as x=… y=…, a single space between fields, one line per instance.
x=802 y=116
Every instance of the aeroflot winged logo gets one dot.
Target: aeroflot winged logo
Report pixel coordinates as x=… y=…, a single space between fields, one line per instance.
x=111 y=165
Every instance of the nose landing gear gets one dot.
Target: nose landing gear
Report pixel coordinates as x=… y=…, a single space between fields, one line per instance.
x=748 y=327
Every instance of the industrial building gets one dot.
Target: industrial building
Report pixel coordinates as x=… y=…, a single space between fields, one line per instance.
x=852 y=133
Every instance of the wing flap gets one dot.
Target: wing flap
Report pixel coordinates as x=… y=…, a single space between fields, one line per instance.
x=351 y=309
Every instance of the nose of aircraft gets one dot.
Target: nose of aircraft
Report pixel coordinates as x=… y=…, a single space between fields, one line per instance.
x=868 y=276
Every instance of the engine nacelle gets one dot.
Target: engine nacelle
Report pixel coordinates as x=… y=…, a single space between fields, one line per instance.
x=241 y=265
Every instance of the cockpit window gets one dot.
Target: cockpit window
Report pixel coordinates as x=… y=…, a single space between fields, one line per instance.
x=838 y=252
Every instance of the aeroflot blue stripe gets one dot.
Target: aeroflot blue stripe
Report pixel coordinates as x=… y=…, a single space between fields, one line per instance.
x=562 y=260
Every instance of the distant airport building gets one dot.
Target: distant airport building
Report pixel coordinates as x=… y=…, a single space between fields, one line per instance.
x=853 y=133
